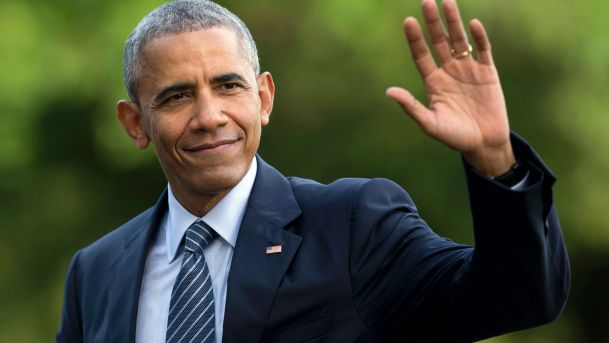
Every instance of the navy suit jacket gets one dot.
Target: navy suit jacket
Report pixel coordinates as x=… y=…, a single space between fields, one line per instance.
x=358 y=264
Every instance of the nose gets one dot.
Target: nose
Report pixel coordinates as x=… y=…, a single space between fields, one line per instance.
x=207 y=114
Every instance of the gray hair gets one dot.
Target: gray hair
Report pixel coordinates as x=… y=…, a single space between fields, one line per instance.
x=177 y=17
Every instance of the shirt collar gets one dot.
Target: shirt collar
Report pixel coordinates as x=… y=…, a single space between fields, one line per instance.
x=225 y=218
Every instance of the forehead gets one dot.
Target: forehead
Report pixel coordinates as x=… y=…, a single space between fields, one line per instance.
x=196 y=52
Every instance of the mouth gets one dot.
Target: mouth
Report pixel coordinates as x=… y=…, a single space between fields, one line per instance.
x=210 y=147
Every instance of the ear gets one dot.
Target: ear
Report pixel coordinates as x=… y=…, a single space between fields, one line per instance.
x=266 y=92
x=130 y=116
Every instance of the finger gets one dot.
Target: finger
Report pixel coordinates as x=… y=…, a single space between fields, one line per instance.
x=418 y=47
x=411 y=106
x=483 y=45
x=437 y=34
x=456 y=31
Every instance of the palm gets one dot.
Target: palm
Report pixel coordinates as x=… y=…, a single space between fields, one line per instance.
x=466 y=109
x=466 y=106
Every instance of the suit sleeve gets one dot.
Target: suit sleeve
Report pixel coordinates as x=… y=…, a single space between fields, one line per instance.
x=412 y=285
x=70 y=330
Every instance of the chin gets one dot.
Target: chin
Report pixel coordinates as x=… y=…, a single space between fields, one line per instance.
x=217 y=181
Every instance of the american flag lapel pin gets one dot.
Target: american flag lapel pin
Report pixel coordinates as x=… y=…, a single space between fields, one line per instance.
x=274 y=249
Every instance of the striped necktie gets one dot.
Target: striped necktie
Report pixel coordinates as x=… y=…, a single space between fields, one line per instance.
x=191 y=310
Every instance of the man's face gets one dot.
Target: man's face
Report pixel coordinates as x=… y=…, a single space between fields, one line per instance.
x=202 y=108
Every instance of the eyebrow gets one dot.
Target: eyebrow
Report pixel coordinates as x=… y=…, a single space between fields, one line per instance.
x=227 y=77
x=177 y=88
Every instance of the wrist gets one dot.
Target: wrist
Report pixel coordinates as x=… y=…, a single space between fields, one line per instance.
x=491 y=162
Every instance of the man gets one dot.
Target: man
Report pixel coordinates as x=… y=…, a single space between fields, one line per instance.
x=235 y=252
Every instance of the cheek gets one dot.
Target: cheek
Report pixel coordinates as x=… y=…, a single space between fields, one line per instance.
x=165 y=131
x=253 y=128
x=250 y=112
x=151 y=126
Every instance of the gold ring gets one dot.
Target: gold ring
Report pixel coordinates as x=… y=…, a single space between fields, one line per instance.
x=462 y=54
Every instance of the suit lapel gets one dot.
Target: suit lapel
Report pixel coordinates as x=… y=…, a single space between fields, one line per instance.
x=255 y=275
x=127 y=271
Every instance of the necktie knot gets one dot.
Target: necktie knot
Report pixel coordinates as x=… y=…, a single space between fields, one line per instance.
x=198 y=236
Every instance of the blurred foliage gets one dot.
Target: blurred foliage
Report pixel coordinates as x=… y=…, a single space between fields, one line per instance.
x=69 y=174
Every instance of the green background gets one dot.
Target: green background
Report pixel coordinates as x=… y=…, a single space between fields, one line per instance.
x=69 y=173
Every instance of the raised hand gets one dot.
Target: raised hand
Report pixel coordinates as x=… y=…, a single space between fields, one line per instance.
x=466 y=109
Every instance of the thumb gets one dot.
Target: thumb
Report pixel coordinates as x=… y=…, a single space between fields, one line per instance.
x=410 y=105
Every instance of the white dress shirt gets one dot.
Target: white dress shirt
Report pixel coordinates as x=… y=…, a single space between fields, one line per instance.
x=165 y=258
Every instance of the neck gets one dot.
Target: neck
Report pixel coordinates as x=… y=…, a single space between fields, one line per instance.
x=198 y=204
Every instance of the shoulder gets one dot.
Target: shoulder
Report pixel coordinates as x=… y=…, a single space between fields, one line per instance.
x=104 y=251
x=351 y=192
x=121 y=234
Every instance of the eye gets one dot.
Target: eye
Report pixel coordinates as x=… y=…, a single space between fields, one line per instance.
x=177 y=96
x=230 y=86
